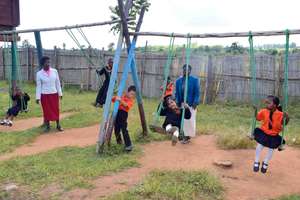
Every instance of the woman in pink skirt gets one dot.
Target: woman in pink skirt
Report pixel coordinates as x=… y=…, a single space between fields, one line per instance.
x=48 y=91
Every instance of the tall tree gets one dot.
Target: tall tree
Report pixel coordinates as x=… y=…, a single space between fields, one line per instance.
x=133 y=12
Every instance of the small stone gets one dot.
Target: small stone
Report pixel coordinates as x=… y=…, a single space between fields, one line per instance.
x=11 y=187
x=223 y=163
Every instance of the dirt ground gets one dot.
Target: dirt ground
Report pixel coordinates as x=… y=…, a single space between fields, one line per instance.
x=239 y=181
x=24 y=124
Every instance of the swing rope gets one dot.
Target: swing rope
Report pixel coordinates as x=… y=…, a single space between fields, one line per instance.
x=285 y=82
x=83 y=52
x=166 y=74
x=18 y=77
x=6 y=56
x=188 y=55
x=253 y=82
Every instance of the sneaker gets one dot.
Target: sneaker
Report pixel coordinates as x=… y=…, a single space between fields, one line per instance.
x=185 y=140
x=9 y=123
x=264 y=168
x=3 y=122
x=256 y=166
x=128 y=148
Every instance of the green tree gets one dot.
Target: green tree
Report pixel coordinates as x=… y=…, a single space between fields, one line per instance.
x=133 y=12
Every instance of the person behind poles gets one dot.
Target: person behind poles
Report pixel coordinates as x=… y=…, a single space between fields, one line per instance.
x=106 y=71
x=272 y=119
x=173 y=113
x=126 y=103
x=48 y=91
x=20 y=101
x=169 y=88
x=193 y=100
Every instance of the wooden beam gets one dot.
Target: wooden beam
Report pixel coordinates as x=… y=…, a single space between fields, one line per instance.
x=63 y=27
x=217 y=35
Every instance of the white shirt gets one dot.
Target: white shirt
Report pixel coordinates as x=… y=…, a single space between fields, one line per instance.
x=47 y=84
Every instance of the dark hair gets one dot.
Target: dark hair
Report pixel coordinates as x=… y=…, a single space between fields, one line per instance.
x=165 y=103
x=44 y=59
x=110 y=60
x=131 y=88
x=187 y=66
x=168 y=79
x=276 y=101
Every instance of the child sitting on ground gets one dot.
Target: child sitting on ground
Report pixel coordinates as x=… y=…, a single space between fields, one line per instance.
x=272 y=119
x=20 y=101
x=173 y=113
x=126 y=103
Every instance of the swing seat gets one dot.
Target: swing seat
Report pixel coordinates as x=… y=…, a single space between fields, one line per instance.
x=157 y=129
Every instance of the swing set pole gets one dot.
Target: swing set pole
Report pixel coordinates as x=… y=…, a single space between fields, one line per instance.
x=59 y=28
x=217 y=35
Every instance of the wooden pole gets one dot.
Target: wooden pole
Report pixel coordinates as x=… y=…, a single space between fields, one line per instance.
x=133 y=64
x=217 y=35
x=62 y=27
x=102 y=136
x=143 y=68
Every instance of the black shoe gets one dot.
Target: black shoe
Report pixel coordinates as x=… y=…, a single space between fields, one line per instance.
x=256 y=166
x=59 y=128
x=264 y=168
x=47 y=129
x=128 y=148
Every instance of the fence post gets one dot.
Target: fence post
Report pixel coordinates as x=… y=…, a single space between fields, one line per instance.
x=143 y=67
x=209 y=81
x=89 y=69
x=3 y=60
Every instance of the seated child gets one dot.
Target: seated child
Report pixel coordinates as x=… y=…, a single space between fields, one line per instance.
x=126 y=103
x=173 y=113
x=272 y=119
x=20 y=102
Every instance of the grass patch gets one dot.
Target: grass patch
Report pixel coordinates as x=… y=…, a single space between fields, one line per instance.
x=70 y=167
x=289 y=197
x=179 y=185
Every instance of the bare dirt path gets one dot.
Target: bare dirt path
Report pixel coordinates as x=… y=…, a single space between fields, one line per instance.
x=72 y=137
x=24 y=124
x=240 y=182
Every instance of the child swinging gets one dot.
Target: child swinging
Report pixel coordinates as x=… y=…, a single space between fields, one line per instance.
x=272 y=119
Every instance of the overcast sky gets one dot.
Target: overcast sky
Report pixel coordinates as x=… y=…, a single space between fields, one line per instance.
x=188 y=16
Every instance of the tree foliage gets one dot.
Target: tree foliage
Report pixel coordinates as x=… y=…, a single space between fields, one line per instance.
x=133 y=12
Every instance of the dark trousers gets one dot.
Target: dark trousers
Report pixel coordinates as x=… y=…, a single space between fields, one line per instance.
x=101 y=96
x=121 y=125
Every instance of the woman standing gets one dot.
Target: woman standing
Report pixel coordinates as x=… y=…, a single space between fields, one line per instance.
x=48 y=91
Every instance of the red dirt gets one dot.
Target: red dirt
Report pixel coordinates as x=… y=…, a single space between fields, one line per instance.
x=24 y=124
x=240 y=182
x=72 y=137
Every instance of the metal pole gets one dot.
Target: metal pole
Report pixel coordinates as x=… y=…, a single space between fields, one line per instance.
x=39 y=46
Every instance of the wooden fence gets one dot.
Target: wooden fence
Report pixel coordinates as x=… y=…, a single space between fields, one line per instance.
x=223 y=77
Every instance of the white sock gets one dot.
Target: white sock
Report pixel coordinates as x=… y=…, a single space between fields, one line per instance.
x=168 y=127
x=258 y=150
x=269 y=155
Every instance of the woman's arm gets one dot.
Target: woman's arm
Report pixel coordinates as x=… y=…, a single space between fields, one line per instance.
x=57 y=85
x=38 y=87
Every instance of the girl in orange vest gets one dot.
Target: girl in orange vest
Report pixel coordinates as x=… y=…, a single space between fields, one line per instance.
x=272 y=119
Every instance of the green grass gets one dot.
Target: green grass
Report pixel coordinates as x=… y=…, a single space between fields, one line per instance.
x=179 y=185
x=70 y=167
x=289 y=197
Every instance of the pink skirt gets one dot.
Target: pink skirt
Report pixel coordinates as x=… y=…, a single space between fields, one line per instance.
x=50 y=105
